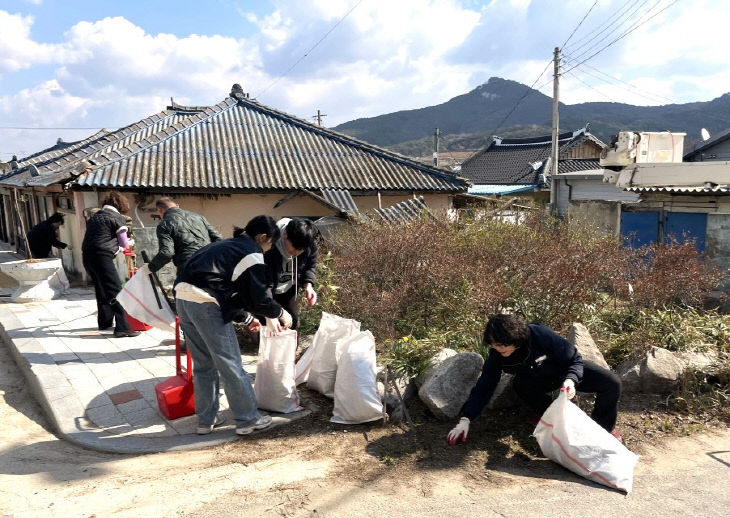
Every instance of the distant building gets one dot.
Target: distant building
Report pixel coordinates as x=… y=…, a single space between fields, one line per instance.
x=715 y=148
x=522 y=165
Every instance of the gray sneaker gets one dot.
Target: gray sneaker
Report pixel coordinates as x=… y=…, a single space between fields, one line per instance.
x=205 y=429
x=262 y=422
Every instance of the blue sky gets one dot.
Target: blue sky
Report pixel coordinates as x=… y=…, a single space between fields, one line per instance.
x=84 y=64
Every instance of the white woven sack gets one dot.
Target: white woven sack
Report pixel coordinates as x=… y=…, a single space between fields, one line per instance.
x=274 y=385
x=137 y=297
x=356 y=391
x=322 y=368
x=569 y=437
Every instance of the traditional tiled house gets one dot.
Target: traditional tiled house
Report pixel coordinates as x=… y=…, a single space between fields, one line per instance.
x=522 y=165
x=229 y=162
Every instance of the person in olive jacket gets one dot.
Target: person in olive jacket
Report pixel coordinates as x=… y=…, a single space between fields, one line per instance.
x=180 y=234
x=542 y=361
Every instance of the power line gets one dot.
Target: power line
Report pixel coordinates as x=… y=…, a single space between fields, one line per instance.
x=527 y=92
x=631 y=18
x=530 y=89
x=592 y=33
x=623 y=35
x=310 y=50
x=579 y=24
x=636 y=90
x=612 y=24
x=592 y=87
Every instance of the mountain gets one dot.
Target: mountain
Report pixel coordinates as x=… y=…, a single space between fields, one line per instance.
x=472 y=117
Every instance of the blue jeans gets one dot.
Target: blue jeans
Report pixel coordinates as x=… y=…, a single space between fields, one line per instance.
x=214 y=347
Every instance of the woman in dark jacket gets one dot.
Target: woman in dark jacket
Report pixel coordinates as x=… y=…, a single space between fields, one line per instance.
x=106 y=236
x=43 y=236
x=542 y=361
x=224 y=281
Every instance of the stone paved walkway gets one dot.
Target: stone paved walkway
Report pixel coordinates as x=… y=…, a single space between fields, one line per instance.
x=99 y=390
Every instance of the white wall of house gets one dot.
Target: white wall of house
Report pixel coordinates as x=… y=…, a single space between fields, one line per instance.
x=224 y=212
x=590 y=186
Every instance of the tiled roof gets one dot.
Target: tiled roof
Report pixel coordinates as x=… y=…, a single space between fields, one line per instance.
x=517 y=161
x=574 y=165
x=239 y=144
x=54 y=165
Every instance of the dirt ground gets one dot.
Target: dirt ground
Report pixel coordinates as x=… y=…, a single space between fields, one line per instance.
x=316 y=468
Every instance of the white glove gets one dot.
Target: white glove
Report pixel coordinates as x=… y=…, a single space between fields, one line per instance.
x=310 y=295
x=273 y=327
x=285 y=319
x=459 y=432
x=569 y=388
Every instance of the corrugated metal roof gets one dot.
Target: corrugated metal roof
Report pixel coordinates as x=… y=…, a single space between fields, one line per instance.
x=405 y=211
x=341 y=199
x=500 y=189
x=699 y=189
x=243 y=145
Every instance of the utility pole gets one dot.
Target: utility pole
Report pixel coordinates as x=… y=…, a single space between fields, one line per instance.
x=556 y=125
x=436 y=147
x=318 y=117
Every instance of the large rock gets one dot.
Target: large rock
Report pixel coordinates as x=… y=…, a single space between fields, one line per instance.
x=436 y=360
x=446 y=386
x=504 y=395
x=701 y=361
x=579 y=336
x=656 y=373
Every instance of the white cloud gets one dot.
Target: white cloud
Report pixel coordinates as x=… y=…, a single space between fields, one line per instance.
x=17 y=49
x=384 y=56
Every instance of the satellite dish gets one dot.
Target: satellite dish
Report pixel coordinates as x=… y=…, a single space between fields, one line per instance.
x=705 y=134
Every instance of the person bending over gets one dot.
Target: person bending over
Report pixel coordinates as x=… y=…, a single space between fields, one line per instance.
x=541 y=361
x=43 y=236
x=225 y=281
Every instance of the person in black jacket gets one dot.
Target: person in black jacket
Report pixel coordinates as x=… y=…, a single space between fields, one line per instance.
x=43 y=236
x=293 y=263
x=542 y=361
x=180 y=234
x=225 y=281
x=106 y=236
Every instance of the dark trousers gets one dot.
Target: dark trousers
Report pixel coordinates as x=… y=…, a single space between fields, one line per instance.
x=605 y=384
x=103 y=273
x=288 y=301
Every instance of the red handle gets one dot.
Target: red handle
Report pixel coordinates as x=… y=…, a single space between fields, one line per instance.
x=178 y=365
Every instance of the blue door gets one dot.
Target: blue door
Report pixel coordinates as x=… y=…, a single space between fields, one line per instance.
x=684 y=226
x=640 y=228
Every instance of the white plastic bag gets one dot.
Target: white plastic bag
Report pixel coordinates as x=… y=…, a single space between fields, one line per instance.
x=274 y=385
x=356 y=390
x=138 y=300
x=322 y=367
x=569 y=437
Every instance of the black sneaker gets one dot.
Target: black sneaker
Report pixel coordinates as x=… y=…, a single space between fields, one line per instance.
x=124 y=334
